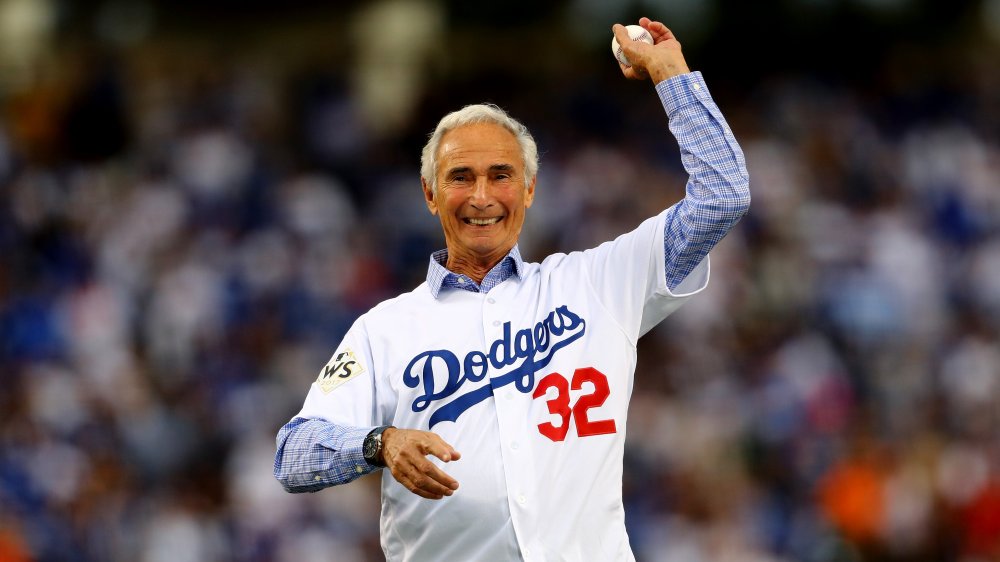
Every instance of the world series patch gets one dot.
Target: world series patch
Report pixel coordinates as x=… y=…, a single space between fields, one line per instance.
x=343 y=367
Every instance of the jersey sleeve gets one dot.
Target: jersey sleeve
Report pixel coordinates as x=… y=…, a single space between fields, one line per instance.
x=321 y=445
x=349 y=390
x=628 y=276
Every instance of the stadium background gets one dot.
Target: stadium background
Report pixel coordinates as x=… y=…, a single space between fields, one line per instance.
x=198 y=198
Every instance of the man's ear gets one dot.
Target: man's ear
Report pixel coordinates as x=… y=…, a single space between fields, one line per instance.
x=429 y=197
x=529 y=194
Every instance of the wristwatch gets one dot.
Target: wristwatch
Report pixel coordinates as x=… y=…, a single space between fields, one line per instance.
x=372 y=446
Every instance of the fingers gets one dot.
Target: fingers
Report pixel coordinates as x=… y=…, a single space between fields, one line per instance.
x=621 y=34
x=659 y=31
x=446 y=453
x=440 y=448
x=406 y=457
x=425 y=479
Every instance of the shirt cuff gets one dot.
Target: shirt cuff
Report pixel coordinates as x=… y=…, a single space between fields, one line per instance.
x=684 y=89
x=350 y=444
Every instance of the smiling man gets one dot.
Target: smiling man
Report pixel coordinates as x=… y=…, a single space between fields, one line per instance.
x=496 y=392
x=478 y=186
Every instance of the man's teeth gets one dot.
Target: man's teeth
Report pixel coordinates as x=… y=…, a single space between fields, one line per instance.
x=484 y=222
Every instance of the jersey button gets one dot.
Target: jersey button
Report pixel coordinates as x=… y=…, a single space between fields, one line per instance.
x=491 y=300
x=514 y=445
x=521 y=499
x=496 y=322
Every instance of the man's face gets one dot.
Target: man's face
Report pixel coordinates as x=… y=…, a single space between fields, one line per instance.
x=481 y=194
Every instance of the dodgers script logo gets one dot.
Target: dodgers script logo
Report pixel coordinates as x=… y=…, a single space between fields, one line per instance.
x=560 y=328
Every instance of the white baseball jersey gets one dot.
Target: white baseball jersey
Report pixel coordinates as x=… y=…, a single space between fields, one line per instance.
x=530 y=382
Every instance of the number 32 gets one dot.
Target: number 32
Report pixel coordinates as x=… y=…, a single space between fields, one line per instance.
x=559 y=405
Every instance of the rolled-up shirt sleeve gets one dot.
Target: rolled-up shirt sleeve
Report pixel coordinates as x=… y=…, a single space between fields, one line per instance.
x=717 y=194
x=314 y=454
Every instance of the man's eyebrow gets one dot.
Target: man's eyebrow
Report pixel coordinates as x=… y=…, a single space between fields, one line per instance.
x=467 y=169
x=459 y=170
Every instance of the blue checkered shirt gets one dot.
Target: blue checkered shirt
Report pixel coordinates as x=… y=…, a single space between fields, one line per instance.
x=314 y=454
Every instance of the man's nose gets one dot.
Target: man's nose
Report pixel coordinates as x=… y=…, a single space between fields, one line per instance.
x=480 y=193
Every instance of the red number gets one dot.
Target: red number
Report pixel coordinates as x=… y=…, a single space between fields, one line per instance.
x=560 y=404
x=584 y=426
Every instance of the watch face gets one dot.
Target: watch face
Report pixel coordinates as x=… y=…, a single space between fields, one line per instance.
x=372 y=445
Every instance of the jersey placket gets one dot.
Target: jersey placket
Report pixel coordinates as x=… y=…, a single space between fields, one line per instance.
x=510 y=410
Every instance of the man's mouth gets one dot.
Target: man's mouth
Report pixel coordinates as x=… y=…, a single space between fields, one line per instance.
x=481 y=222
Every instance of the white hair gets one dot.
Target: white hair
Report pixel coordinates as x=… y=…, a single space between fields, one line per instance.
x=478 y=113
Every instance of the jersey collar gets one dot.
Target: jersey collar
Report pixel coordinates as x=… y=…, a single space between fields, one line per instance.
x=439 y=277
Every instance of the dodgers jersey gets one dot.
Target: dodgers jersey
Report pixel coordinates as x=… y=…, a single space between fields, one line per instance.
x=530 y=381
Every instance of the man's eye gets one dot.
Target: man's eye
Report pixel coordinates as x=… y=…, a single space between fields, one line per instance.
x=458 y=178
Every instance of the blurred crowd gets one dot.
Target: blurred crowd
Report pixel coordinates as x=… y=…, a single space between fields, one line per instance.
x=184 y=244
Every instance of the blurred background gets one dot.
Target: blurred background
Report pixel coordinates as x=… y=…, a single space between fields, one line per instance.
x=198 y=198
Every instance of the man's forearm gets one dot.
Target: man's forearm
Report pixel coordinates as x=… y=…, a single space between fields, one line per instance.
x=314 y=454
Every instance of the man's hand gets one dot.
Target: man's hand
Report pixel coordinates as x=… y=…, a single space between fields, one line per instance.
x=405 y=454
x=659 y=61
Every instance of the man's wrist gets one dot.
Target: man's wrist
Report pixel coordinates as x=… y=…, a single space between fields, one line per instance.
x=666 y=70
x=372 y=448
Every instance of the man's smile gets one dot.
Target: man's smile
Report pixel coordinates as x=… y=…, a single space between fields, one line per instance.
x=482 y=221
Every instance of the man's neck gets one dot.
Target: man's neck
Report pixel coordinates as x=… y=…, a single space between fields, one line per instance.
x=476 y=267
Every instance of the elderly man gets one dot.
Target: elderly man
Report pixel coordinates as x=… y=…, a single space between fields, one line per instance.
x=496 y=392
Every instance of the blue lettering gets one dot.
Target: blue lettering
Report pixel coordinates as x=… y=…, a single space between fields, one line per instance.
x=569 y=320
x=476 y=366
x=541 y=337
x=411 y=380
x=525 y=345
x=500 y=355
x=455 y=408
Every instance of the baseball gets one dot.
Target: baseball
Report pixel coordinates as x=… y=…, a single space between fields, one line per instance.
x=637 y=33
